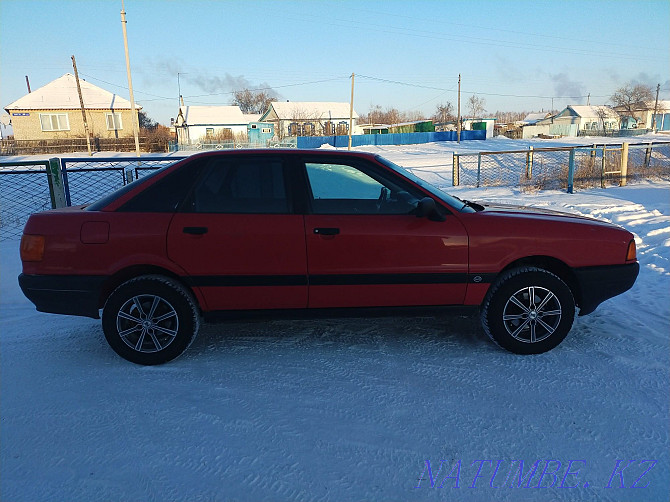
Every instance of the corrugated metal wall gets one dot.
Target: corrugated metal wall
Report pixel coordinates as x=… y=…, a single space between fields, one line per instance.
x=387 y=139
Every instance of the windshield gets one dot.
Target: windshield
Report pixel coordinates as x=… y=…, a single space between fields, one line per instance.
x=450 y=200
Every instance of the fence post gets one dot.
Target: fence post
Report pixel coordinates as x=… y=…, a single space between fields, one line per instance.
x=602 y=167
x=647 y=157
x=624 y=164
x=529 y=163
x=455 y=177
x=56 y=185
x=129 y=177
x=479 y=168
x=571 y=171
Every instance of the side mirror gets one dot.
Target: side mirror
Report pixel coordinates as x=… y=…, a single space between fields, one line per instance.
x=426 y=208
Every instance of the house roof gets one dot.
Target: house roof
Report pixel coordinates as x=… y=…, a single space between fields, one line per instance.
x=531 y=118
x=287 y=110
x=61 y=94
x=212 y=115
x=252 y=117
x=585 y=111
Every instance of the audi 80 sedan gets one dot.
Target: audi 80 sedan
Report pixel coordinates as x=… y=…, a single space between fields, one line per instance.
x=313 y=233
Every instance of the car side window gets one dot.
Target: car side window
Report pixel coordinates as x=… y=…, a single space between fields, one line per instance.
x=253 y=186
x=349 y=189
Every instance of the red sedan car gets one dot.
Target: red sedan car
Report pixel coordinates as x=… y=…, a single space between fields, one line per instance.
x=317 y=233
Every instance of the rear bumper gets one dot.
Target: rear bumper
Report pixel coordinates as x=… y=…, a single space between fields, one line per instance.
x=597 y=284
x=63 y=294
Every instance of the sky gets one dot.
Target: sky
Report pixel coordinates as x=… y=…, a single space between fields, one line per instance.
x=518 y=55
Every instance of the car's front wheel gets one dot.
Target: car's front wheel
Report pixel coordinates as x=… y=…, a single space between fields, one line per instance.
x=528 y=310
x=150 y=319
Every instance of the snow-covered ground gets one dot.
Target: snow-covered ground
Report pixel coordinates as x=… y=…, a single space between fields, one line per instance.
x=351 y=409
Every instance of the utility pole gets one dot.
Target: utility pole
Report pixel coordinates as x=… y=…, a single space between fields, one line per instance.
x=81 y=103
x=181 y=99
x=458 y=125
x=351 y=111
x=588 y=100
x=28 y=84
x=130 y=83
x=653 y=117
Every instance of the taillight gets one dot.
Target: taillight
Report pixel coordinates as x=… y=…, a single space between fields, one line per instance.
x=32 y=247
x=631 y=255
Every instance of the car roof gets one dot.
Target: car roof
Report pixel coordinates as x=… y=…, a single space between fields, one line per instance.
x=283 y=151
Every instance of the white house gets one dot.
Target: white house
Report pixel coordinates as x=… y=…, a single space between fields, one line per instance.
x=586 y=118
x=201 y=124
x=309 y=118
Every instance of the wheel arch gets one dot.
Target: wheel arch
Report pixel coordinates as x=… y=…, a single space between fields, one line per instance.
x=128 y=273
x=553 y=265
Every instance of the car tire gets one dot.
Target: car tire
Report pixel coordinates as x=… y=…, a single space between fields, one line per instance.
x=150 y=319
x=528 y=310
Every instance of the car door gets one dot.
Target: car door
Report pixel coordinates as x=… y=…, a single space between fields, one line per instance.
x=237 y=237
x=365 y=245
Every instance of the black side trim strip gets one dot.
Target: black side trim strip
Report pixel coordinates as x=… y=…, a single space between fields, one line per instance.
x=334 y=279
x=246 y=280
x=370 y=279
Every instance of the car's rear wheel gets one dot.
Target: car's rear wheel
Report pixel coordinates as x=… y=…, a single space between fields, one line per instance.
x=528 y=311
x=151 y=319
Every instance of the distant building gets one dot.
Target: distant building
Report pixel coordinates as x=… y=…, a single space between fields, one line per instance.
x=586 y=118
x=309 y=118
x=54 y=112
x=414 y=126
x=203 y=124
x=487 y=125
x=641 y=118
x=534 y=118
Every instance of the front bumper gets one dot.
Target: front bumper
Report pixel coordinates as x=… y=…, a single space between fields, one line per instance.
x=64 y=294
x=597 y=284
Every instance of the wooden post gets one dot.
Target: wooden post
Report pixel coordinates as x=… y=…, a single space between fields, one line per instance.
x=81 y=103
x=133 y=110
x=602 y=167
x=455 y=176
x=624 y=164
x=647 y=156
x=529 y=163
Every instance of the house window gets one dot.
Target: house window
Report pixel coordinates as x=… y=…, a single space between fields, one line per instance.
x=266 y=130
x=54 y=122
x=342 y=128
x=113 y=121
x=209 y=132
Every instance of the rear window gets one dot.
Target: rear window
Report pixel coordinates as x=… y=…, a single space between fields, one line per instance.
x=166 y=194
x=100 y=204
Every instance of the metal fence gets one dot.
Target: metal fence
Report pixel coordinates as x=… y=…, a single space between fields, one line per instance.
x=87 y=179
x=24 y=189
x=27 y=187
x=563 y=168
x=205 y=146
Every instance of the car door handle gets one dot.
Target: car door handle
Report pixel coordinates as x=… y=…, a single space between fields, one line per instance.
x=326 y=231
x=195 y=230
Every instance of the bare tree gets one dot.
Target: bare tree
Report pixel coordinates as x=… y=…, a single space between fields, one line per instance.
x=476 y=105
x=603 y=113
x=253 y=101
x=444 y=112
x=630 y=97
